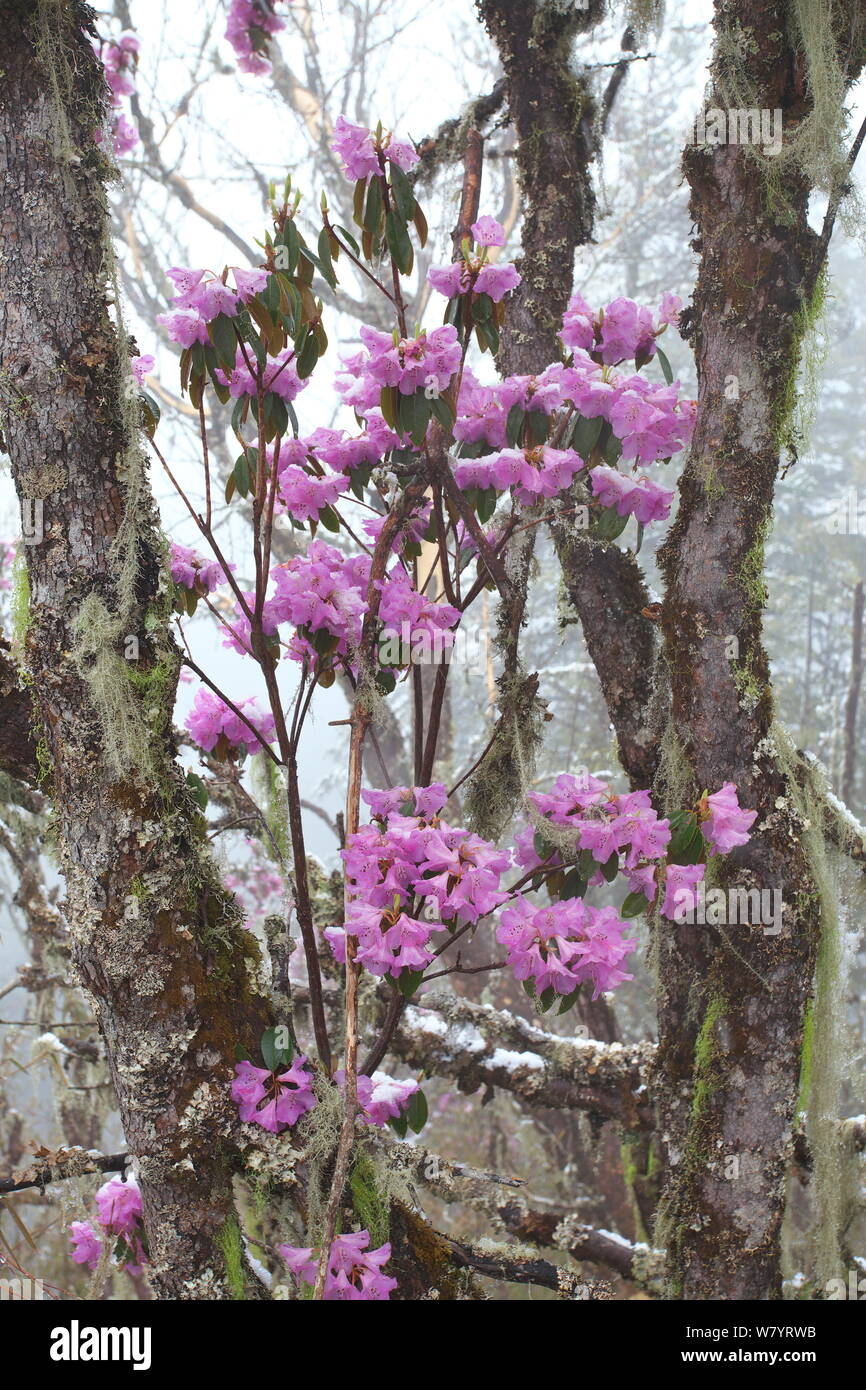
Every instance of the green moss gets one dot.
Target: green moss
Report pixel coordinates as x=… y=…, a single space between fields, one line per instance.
x=795 y=409
x=371 y=1207
x=232 y=1247
x=705 y=1046
x=19 y=601
x=806 y=1060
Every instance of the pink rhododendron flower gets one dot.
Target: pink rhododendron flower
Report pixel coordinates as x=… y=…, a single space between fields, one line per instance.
x=142 y=366
x=210 y=719
x=640 y=497
x=125 y=135
x=381 y=1097
x=727 y=823
x=280 y=375
x=488 y=232
x=354 y=1272
x=190 y=571
x=681 y=881
x=413 y=364
x=360 y=150
x=250 y=24
x=86 y=1245
x=532 y=473
x=622 y=330
x=184 y=326
x=390 y=864
x=564 y=944
x=119 y=1206
x=270 y=1099
x=304 y=495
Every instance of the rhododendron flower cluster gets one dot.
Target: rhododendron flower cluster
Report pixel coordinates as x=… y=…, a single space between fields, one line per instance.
x=118 y=1205
x=607 y=825
x=425 y=363
x=473 y=272
x=532 y=473
x=119 y=60
x=363 y=151
x=639 y=497
x=323 y=594
x=142 y=366
x=564 y=944
x=190 y=571
x=213 y=725
x=381 y=1097
x=273 y=1099
x=201 y=297
x=394 y=866
x=250 y=24
x=279 y=374
x=354 y=1272
x=727 y=823
x=622 y=330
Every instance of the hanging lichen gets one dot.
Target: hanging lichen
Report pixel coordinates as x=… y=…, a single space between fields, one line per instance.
x=826 y=1042
x=815 y=146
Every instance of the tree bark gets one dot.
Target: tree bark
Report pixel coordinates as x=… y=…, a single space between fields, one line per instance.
x=733 y=1000
x=157 y=942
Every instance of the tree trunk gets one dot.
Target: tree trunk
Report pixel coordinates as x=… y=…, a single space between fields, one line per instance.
x=156 y=941
x=733 y=1000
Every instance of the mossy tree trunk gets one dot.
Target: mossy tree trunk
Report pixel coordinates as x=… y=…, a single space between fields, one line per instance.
x=157 y=943
x=733 y=1000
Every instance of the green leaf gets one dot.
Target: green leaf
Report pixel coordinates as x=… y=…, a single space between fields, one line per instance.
x=222 y=334
x=665 y=365
x=358 y=201
x=198 y=789
x=610 y=868
x=408 y=982
x=415 y=414
x=372 y=219
x=307 y=357
x=543 y=848
x=420 y=225
x=575 y=885
x=686 y=842
x=514 y=427
x=487 y=498
x=275 y=1057
x=399 y=245
x=417 y=1111
x=584 y=436
x=276 y=415
x=444 y=412
x=586 y=863
x=608 y=524
x=547 y=998
x=612 y=450
x=399 y=1126
x=633 y=905
x=347 y=236
x=325 y=262
x=242 y=475
x=404 y=197
x=329 y=519
x=482 y=308
x=539 y=426
x=569 y=1001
